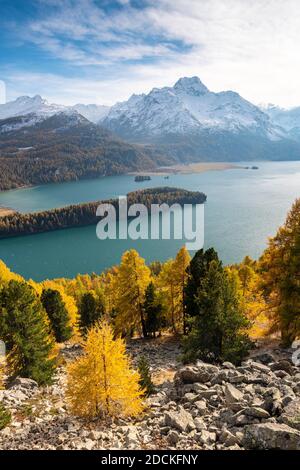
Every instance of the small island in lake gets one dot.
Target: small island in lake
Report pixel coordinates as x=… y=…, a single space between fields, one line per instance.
x=140 y=178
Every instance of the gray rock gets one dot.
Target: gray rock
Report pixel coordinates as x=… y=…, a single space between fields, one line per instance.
x=132 y=440
x=232 y=394
x=271 y=436
x=282 y=365
x=264 y=357
x=24 y=383
x=173 y=437
x=207 y=437
x=227 y=438
x=256 y=412
x=200 y=424
x=291 y=414
x=181 y=420
x=201 y=407
x=200 y=373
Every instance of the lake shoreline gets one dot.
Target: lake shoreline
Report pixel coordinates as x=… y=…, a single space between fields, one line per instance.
x=200 y=167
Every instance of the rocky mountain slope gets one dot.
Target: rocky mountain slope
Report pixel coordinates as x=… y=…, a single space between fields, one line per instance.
x=184 y=123
x=199 y=406
x=192 y=122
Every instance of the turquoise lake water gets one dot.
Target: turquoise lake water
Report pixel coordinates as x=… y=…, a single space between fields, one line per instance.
x=244 y=208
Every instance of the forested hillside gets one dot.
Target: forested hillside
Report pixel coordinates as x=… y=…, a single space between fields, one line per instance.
x=63 y=148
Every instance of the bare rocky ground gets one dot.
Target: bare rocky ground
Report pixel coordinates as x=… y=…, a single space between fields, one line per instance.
x=202 y=406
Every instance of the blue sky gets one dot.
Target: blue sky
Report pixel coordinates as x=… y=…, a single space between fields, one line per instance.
x=102 y=51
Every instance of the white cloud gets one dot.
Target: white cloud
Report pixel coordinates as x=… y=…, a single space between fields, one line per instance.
x=250 y=47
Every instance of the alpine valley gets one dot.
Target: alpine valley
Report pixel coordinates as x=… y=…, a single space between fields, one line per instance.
x=42 y=142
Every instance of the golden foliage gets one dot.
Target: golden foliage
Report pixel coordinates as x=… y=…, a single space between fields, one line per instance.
x=172 y=280
x=7 y=275
x=102 y=381
x=132 y=280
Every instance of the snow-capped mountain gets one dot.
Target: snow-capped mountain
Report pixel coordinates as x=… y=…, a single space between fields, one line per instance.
x=35 y=109
x=26 y=105
x=188 y=107
x=288 y=119
x=92 y=112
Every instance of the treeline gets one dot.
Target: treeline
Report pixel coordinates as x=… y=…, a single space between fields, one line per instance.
x=85 y=214
x=59 y=150
x=215 y=309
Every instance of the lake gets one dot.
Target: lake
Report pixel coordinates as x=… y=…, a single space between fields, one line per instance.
x=244 y=208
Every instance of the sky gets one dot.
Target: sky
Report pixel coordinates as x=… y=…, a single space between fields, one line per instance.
x=102 y=51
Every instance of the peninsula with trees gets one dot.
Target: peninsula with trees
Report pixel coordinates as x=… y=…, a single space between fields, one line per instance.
x=80 y=215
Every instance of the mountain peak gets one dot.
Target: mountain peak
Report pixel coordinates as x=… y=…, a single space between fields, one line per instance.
x=191 y=86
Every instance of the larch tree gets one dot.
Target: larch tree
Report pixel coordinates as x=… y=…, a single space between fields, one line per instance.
x=132 y=280
x=102 y=382
x=25 y=329
x=181 y=264
x=280 y=277
x=167 y=283
x=172 y=280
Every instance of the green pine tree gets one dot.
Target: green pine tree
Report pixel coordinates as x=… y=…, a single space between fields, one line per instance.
x=218 y=329
x=91 y=309
x=25 y=329
x=57 y=314
x=153 y=310
x=145 y=376
x=196 y=270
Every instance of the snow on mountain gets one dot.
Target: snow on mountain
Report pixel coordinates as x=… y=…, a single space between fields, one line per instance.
x=28 y=111
x=187 y=108
x=92 y=112
x=288 y=119
x=26 y=105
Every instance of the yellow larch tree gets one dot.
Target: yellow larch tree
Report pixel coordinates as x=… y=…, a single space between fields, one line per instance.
x=280 y=277
x=132 y=280
x=252 y=296
x=102 y=382
x=7 y=275
x=172 y=280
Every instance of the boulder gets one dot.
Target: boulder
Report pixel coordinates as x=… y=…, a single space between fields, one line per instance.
x=232 y=394
x=227 y=438
x=201 y=407
x=271 y=436
x=199 y=423
x=264 y=357
x=132 y=440
x=282 y=365
x=291 y=414
x=256 y=412
x=21 y=382
x=200 y=373
x=173 y=437
x=207 y=437
x=181 y=420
